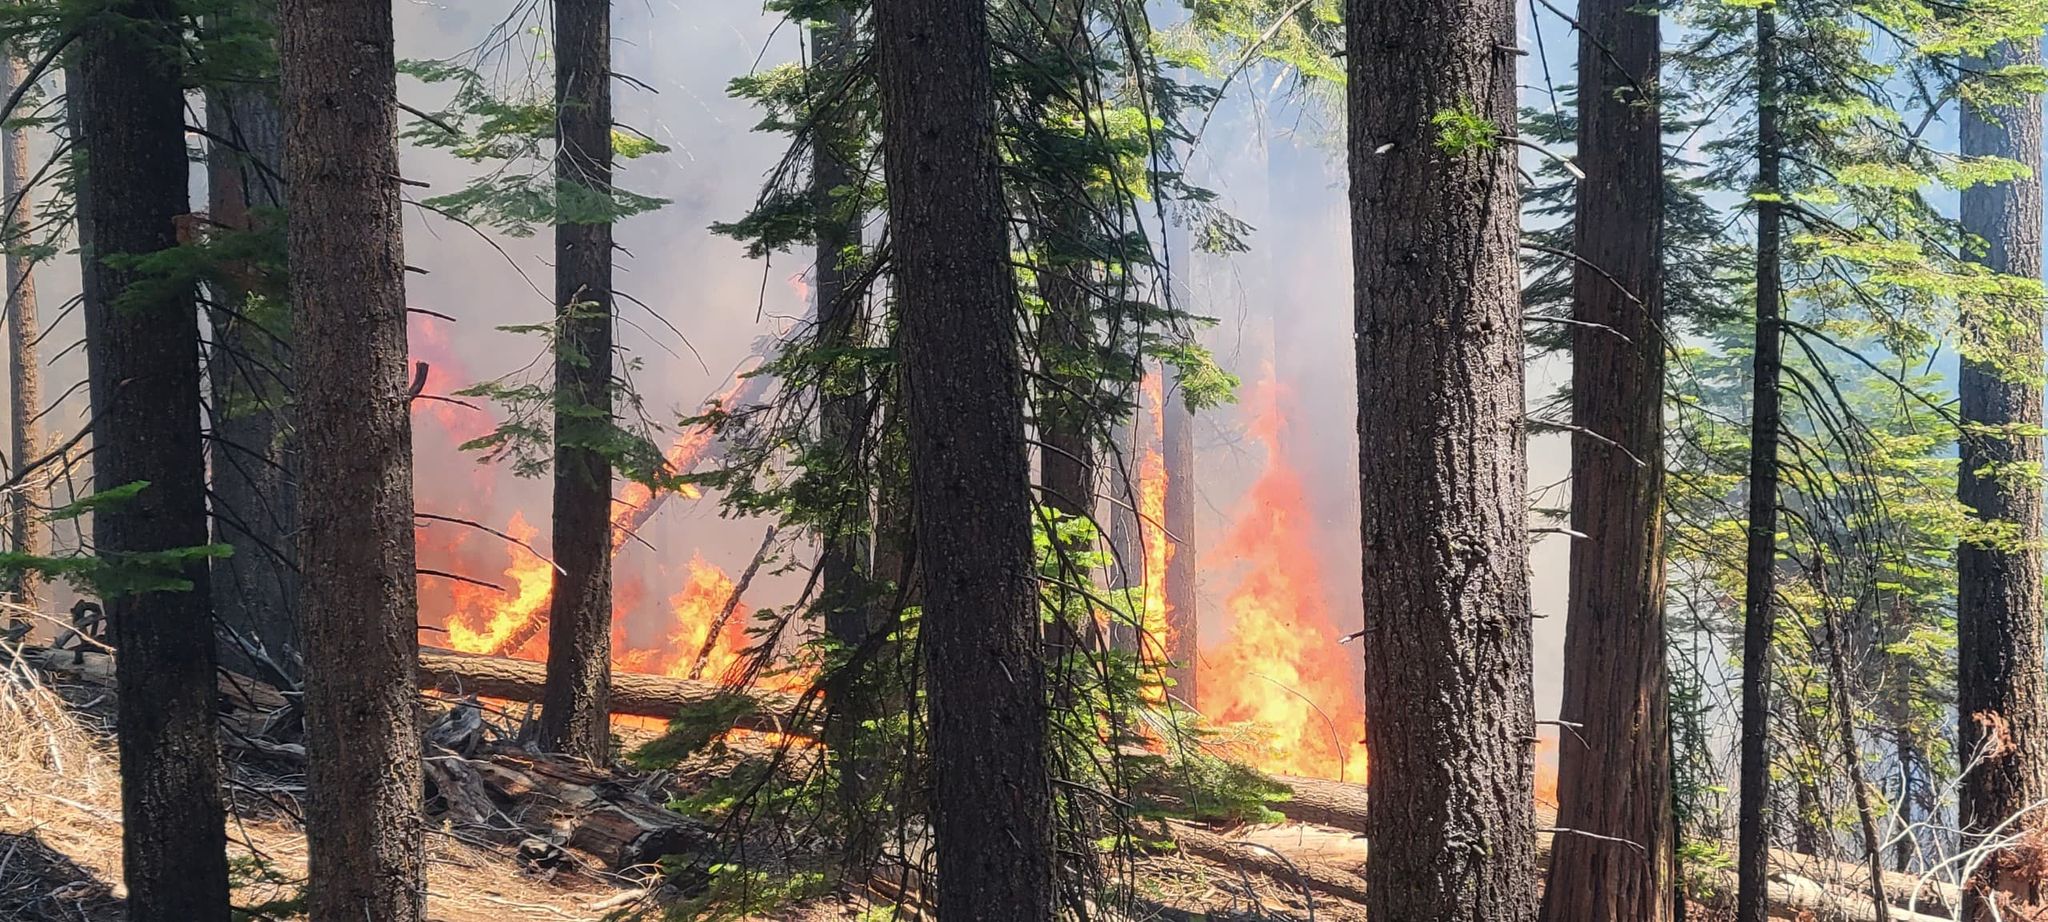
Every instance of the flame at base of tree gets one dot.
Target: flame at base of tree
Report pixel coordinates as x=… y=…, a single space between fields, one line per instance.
x=1153 y=623
x=1288 y=696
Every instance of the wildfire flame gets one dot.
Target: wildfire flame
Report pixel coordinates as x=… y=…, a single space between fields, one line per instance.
x=1280 y=675
x=1153 y=623
x=483 y=618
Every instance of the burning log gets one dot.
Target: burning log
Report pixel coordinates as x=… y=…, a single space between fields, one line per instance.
x=693 y=451
x=633 y=693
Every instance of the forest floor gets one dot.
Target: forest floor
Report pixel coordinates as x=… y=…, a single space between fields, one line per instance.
x=60 y=836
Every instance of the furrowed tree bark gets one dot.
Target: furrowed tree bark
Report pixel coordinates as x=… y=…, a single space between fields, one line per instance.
x=1182 y=614
x=969 y=471
x=25 y=374
x=1448 y=703
x=574 y=718
x=142 y=349
x=1999 y=625
x=1752 y=862
x=366 y=858
x=847 y=593
x=1614 y=769
x=255 y=503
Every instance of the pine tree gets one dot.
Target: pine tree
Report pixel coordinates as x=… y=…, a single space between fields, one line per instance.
x=576 y=712
x=142 y=348
x=2002 y=677
x=253 y=481
x=1754 y=773
x=366 y=855
x=1449 y=709
x=1615 y=781
x=969 y=476
x=25 y=534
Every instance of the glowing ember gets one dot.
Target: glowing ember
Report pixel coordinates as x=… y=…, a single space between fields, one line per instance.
x=1280 y=675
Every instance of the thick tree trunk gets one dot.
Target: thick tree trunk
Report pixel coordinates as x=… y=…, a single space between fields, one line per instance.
x=142 y=346
x=848 y=596
x=366 y=857
x=1753 y=833
x=255 y=503
x=1182 y=615
x=2003 y=738
x=1614 y=769
x=573 y=719
x=969 y=471
x=1448 y=703
x=25 y=374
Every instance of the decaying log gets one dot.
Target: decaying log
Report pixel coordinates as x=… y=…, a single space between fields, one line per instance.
x=1320 y=876
x=633 y=693
x=515 y=798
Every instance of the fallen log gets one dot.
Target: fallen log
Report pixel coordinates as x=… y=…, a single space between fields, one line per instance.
x=633 y=693
x=1320 y=876
x=1341 y=805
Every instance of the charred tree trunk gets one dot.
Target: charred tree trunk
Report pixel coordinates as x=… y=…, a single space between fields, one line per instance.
x=847 y=593
x=255 y=591
x=142 y=347
x=1448 y=703
x=1182 y=615
x=1761 y=568
x=25 y=374
x=575 y=718
x=1618 y=782
x=366 y=858
x=970 y=478
x=2001 y=674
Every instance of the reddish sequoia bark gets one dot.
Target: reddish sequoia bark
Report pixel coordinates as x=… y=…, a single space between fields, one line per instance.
x=366 y=858
x=1614 y=769
x=25 y=389
x=1449 y=709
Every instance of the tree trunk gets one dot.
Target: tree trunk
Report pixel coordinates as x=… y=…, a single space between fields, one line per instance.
x=969 y=472
x=25 y=388
x=366 y=858
x=1182 y=614
x=254 y=489
x=847 y=593
x=633 y=693
x=1448 y=703
x=1999 y=625
x=1760 y=565
x=1614 y=769
x=142 y=347
x=1126 y=567
x=574 y=717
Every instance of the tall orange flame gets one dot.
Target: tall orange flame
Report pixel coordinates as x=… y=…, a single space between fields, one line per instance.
x=1280 y=676
x=1153 y=625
